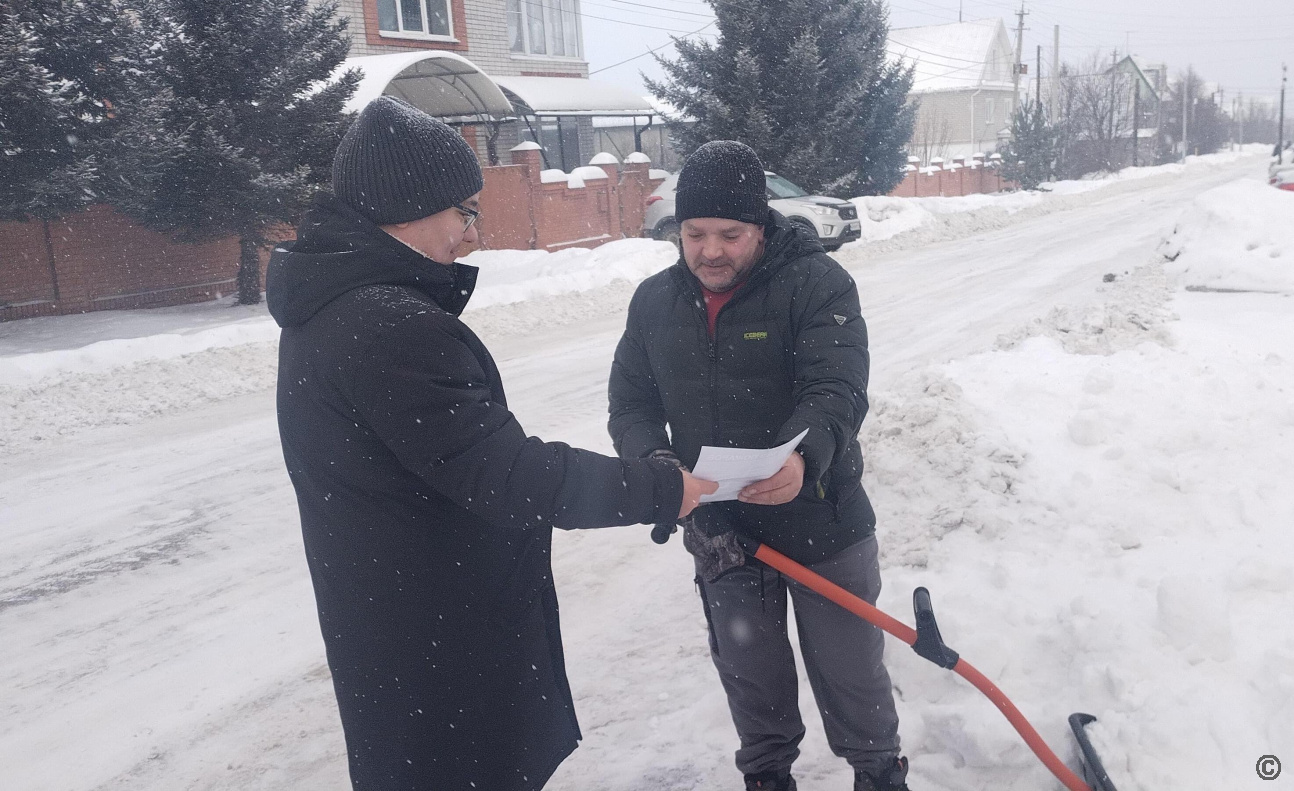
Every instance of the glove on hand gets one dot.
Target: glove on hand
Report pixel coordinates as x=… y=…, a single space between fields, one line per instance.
x=661 y=532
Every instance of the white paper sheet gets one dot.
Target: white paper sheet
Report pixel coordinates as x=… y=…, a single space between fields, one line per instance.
x=737 y=468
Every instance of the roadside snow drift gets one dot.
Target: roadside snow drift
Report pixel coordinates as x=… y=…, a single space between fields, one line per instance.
x=1237 y=237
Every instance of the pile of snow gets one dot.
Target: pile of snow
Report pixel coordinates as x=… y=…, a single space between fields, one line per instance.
x=1237 y=237
x=509 y=276
x=886 y=217
x=939 y=218
x=1104 y=532
x=27 y=369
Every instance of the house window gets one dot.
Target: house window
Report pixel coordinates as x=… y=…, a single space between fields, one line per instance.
x=544 y=27
x=988 y=119
x=414 y=18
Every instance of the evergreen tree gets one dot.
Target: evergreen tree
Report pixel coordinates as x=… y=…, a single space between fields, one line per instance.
x=63 y=63
x=1030 y=157
x=240 y=126
x=803 y=82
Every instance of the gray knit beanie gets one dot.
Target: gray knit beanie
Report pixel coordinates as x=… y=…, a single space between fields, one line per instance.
x=722 y=178
x=398 y=164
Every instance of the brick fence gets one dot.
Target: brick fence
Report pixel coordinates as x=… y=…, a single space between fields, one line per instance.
x=524 y=207
x=97 y=259
x=953 y=181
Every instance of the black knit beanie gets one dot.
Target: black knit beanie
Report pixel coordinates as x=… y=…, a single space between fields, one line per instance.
x=398 y=164
x=722 y=178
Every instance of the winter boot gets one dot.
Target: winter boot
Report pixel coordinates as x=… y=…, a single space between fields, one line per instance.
x=771 y=781
x=891 y=779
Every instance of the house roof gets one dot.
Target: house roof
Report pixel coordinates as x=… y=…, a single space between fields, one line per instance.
x=1133 y=66
x=955 y=56
x=572 y=96
x=439 y=83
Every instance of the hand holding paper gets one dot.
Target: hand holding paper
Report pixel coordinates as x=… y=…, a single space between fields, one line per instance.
x=735 y=469
x=782 y=487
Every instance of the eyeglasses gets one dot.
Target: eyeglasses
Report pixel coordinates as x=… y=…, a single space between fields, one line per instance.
x=469 y=215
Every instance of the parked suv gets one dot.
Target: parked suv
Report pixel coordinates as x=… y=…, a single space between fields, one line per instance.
x=833 y=221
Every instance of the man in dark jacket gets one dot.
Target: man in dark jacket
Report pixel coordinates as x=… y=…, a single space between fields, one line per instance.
x=753 y=337
x=427 y=512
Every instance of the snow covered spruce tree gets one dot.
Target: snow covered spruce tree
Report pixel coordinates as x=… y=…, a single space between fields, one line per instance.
x=236 y=136
x=803 y=82
x=63 y=64
x=1030 y=158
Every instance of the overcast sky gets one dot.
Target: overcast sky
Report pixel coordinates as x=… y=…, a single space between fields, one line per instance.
x=1241 y=50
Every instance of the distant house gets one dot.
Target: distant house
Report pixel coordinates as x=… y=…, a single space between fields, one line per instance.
x=502 y=71
x=962 y=86
x=1146 y=84
x=1114 y=117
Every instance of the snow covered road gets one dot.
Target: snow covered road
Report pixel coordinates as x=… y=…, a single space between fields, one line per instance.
x=159 y=629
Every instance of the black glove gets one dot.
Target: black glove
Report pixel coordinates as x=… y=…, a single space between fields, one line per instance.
x=660 y=533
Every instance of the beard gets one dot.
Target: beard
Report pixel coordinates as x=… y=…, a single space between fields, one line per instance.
x=718 y=275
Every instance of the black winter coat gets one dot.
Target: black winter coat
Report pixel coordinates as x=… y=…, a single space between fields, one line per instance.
x=789 y=353
x=427 y=515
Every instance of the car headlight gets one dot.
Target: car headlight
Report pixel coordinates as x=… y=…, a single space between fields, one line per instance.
x=825 y=211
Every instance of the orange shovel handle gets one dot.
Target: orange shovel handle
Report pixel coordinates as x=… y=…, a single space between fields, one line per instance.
x=907 y=634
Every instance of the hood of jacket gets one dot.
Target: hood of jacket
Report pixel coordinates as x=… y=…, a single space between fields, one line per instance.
x=338 y=250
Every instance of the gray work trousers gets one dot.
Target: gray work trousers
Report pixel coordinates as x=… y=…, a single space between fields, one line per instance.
x=746 y=611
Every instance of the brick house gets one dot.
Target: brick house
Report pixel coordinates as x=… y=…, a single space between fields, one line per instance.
x=503 y=71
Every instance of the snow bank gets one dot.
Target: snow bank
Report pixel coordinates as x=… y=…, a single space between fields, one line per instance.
x=939 y=218
x=1105 y=532
x=509 y=276
x=1237 y=237
x=26 y=369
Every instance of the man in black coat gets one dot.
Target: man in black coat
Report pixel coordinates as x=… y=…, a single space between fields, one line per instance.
x=754 y=336
x=427 y=512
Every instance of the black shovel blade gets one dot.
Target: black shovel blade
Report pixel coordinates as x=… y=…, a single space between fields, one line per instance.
x=1093 y=770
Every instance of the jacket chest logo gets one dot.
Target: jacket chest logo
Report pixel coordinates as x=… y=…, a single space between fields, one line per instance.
x=839 y=319
x=755 y=336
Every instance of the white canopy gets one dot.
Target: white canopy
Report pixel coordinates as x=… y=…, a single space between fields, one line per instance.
x=571 y=96
x=442 y=84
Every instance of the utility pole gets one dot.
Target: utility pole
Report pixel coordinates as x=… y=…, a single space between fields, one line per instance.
x=1186 y=84
x=1136 y=116
x=1280 y=134
x=1240 y=115
x=1112 y=150
x=1037 y=92
x=1019 y=53
x=1055 y=71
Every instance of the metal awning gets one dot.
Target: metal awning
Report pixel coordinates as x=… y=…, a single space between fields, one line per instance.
x=570 y=96
x=441 y=84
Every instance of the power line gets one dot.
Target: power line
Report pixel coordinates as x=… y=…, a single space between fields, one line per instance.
x=654 y=49
x=651 y=7
x=631 y=24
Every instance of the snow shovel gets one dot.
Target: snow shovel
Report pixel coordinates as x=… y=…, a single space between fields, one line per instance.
x=928 y=644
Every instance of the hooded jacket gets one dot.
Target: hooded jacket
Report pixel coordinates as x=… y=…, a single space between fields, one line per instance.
x=789 y=353
x=427 y=515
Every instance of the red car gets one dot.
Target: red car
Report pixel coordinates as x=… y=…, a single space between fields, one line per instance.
x=1282 y=176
